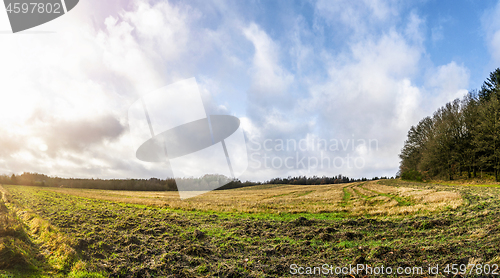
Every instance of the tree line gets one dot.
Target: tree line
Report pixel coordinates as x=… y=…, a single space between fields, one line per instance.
x=152 y=184
x=314 y=180
x=155 y=184
x=461 y=139
x=35 y=179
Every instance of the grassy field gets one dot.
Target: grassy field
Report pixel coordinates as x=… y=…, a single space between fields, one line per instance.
x=251 y=232
x=365 y=198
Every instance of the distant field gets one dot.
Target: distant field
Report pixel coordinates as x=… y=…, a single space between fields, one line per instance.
x=255 y=232
x=354 y=199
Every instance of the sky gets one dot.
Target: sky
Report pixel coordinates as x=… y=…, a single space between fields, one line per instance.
x=320 y=87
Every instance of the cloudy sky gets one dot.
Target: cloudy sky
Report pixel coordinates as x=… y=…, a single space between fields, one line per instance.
x=320 y=87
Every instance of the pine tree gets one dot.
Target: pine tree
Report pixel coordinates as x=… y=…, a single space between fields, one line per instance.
x=487 y=141
x=491 y=87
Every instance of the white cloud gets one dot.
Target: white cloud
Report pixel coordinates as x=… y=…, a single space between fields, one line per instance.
x=268 y=76
x=446 y=83
x=408 y=101
x=414 y=30
x=71 y=90
x=368 y=94
x=357 y=18
x=495 y=45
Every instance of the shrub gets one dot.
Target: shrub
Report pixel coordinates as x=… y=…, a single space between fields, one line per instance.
x=412 y=175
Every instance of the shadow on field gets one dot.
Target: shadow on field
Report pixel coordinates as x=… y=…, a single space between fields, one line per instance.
x=19 y=256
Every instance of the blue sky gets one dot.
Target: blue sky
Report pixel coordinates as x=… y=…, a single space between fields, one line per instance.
x=456 y=33
x=345 y=72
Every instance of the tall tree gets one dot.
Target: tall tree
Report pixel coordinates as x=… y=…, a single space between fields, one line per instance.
x=415 y=145
x=487 y=141
x=470 y=118
x=442 y=158
x=490 y=87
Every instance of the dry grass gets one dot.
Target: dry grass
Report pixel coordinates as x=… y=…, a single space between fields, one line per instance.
x=365 y=198
x=374 y=186
x=128 y=240
x=364 y=192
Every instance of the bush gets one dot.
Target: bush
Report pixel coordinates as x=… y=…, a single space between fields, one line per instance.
x=412 y=175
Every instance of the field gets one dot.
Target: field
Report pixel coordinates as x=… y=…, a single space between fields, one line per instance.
x=251 y=232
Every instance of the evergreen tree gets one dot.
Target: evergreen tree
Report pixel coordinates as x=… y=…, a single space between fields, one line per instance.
x=491 y=87
x=487 y=140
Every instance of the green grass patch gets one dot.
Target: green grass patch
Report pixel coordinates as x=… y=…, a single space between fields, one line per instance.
x=346 y=197
x=304 y=193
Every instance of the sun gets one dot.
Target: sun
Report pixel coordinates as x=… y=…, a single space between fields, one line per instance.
x=42 y=147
